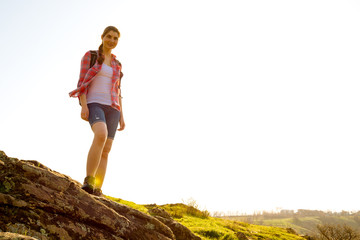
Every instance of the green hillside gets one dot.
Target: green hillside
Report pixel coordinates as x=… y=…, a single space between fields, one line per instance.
x=210 y=228
x=304 y=225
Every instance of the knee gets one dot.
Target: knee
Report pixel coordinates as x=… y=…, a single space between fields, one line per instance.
x=101 y=136
x=106 y=149
x=100 y=132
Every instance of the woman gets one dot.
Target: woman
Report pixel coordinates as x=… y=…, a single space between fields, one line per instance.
x=100 y=98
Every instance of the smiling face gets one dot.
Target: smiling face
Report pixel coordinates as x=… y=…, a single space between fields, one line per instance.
x=110 y=40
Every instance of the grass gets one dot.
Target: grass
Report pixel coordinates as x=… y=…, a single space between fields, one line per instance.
x=141 y=208
x=210 y=228
x=305 y=225
x=216 y=228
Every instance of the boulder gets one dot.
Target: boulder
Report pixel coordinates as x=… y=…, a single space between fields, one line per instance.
x=180 y=231
x=38 y=202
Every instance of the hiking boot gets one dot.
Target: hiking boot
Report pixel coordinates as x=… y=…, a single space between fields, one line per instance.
x=89 y=183
x=97 y=192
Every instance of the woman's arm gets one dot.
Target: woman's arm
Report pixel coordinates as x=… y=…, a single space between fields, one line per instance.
x=84 y=68
x=85 y=64
x=121 y=122
x=84 y=108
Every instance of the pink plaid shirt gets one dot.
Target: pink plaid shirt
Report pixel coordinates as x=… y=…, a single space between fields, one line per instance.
x=87 y=75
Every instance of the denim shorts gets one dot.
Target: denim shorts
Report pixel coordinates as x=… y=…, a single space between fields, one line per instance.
x=104 y=113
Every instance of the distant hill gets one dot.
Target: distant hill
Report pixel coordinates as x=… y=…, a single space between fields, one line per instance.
x=303 y=221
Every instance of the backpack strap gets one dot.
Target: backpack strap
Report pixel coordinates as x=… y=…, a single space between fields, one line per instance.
x=93 y=58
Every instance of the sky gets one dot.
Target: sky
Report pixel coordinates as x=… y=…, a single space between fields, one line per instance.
x=240 y=105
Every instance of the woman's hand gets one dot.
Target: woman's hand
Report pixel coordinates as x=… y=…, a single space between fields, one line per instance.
x=122 y=123
x=85 y=113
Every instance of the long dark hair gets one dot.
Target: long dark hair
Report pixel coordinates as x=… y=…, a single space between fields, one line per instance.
x=101 y=57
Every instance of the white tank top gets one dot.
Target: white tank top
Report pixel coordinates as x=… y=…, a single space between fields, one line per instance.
x=100 y=88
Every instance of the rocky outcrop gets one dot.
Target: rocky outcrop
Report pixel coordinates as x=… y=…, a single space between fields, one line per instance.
x=38 y=202
x=181 y=232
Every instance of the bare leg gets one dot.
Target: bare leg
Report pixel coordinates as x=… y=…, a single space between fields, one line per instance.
x=96 y=149
x=101 y=170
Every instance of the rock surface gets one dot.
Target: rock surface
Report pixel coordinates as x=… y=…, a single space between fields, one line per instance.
x=38 y=202
x=181 y=232
x=14 y=236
